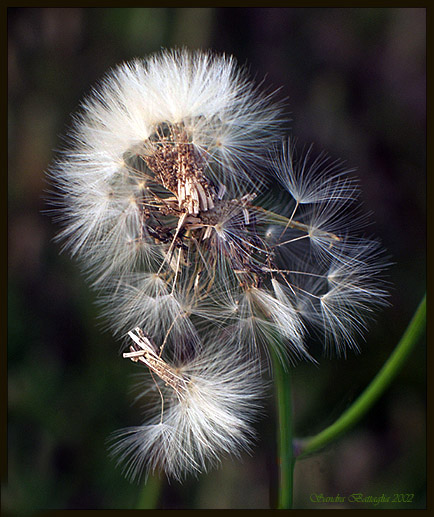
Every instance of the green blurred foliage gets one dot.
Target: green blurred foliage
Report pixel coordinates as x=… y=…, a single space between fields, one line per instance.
x=355 y=83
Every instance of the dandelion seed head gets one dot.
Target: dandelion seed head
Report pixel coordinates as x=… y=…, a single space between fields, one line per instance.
x=162 y=194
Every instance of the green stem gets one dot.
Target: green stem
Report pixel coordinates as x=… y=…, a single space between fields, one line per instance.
x=379 y=384
x=284 y=435
x=150 y=493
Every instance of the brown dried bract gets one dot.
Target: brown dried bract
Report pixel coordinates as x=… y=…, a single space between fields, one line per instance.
x=144 y=350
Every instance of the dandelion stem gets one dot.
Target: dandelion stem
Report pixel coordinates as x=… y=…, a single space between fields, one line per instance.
x=286 y=458
x=379 y=384
x=150 y=493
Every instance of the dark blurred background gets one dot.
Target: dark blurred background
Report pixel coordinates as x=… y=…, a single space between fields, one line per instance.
x=355 y=83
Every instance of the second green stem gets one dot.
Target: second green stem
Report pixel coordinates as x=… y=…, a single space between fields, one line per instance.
x=375 y=389
x=286 y=458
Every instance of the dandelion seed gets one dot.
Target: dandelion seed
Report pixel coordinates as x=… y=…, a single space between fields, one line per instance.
x=312 y=180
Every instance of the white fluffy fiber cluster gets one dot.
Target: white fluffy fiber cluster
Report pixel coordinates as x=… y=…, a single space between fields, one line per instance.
x=213 y=418
x=325 y=272
x=228 y=119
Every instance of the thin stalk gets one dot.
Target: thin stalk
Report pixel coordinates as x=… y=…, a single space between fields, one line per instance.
x=290 y=223
x=150 y=493
x=371 y=394
x=286 y=458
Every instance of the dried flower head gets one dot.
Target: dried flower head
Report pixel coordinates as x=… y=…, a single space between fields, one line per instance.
x=165 y=194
